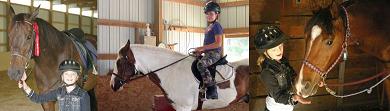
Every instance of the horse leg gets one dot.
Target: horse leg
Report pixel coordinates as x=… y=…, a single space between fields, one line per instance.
x=48 y=106
x=242 y=83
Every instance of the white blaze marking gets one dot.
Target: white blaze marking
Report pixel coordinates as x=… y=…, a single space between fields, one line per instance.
x=315 y=32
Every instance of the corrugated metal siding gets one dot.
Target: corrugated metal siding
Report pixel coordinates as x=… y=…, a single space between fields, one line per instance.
x=183 y=15
x=193 y=16
x=111 y=38
x=3 y=27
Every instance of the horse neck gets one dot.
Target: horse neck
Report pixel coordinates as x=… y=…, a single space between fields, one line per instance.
x=53 y=44
x=371 y=35
x=149 y=58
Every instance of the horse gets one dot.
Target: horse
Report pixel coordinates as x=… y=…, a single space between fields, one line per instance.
x=176 y=80
x=364 y=23
x=34 y=39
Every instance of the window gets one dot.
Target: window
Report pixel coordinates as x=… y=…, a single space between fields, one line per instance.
x=87 y=13
x=236 y=48
x=95 y=14
x=59 y=7
x=22 y=2
x=74 y=11
x=44 y=4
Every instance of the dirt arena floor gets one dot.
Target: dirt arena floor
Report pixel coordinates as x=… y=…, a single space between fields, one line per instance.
x=12 y=98
x=137 y=96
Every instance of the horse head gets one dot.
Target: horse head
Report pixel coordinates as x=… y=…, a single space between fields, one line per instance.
x=21 y=41
x=324 y=44
x=125 y=68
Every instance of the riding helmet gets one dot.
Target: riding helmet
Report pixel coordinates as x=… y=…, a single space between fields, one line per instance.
x=69 y=65
x=268 y=37
x=212 y=6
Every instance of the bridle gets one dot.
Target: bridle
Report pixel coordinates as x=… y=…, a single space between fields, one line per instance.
x=344 y=52
x=29 y=54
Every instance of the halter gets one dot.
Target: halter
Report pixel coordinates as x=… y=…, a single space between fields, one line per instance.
x=343 y=52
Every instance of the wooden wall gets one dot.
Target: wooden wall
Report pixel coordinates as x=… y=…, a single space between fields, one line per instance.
x=292 y=16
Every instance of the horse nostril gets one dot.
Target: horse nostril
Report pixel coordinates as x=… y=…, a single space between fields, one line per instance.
x=306 y=85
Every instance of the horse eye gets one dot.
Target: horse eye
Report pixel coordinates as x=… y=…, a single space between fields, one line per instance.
x=329 y=42
x=28 y=37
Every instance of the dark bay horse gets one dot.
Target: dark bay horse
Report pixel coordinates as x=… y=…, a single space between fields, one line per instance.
x=54 y=47
x=364 y=23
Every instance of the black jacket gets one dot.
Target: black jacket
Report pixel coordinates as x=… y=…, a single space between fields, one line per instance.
x=278 y=79
x=76 y=100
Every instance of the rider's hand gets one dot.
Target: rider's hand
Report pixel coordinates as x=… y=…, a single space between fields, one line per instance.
x=199 y=49
x=20 y=84
x=24 y=77
x=300 y=99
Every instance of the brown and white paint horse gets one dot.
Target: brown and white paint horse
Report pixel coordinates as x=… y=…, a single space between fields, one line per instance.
x=330 y=30
x=177 y=80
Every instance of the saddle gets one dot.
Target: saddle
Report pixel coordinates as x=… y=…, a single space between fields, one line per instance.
x=87 y=51
x=211 y=68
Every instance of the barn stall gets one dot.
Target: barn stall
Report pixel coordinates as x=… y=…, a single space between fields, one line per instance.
x=292 y=16
x=175 y=24
x=63 y=15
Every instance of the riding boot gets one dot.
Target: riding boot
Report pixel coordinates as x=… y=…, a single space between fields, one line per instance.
x=211 y=92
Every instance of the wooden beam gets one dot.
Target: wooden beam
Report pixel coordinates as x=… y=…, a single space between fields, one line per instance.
x=234 y=4
x=236 y=31
x=120 y=23
x=237 y=35
x=107 y=56
x=51 y=12
x=7 y=10
x=158 y=20
x=189 y=2
x=80 y=17
x=228 y=31
x=67 y=17
x=186 y=29
x=201 y=4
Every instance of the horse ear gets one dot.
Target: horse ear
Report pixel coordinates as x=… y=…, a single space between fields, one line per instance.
x=35 y=13
x=334 y=9
x=11 y=12
x=128 y=42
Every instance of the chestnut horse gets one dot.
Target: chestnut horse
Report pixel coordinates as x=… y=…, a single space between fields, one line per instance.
x=365 y=23
x=176 y=79
x=54 y=46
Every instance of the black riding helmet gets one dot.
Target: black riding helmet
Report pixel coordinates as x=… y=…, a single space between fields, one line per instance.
x=269 y=37
x=212 y=6
x=69 y=65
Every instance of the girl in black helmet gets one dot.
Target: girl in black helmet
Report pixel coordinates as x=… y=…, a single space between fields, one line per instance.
x=70 y=96
x=276 y=74
x=212 y=48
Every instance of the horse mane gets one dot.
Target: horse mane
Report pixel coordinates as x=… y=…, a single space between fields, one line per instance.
x=50 y=34
x=157 y=49
x=322 y=17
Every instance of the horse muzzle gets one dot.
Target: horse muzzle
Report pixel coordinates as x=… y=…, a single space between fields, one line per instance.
x=15 y=73
x=307 y=89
